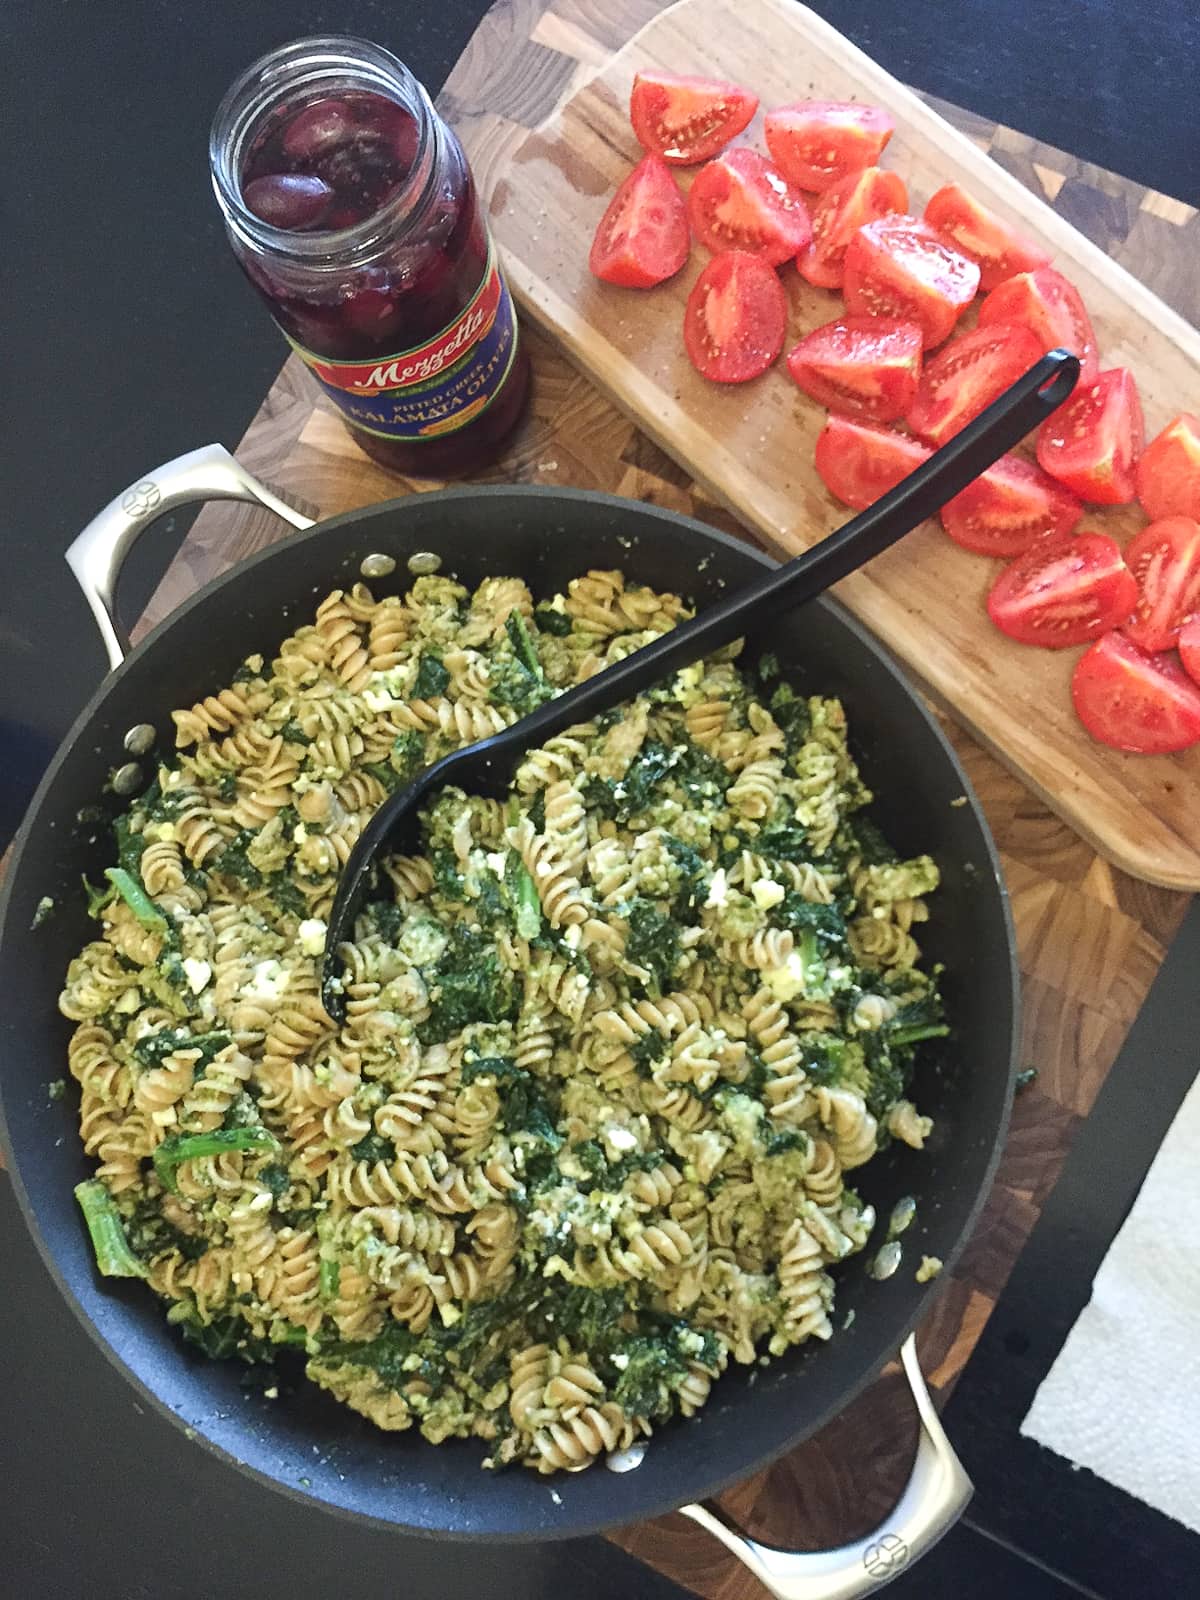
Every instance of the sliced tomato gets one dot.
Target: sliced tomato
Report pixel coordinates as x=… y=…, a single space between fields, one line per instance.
x=1092 y=441
x=862 y=366
x=1008 y=508
x=858 y=463
x=1134 y=701
x=1168 y=471
x=642 y=238
x=735 y=319
x=983 y=236
x=1189 y=648
x=1165 y=560
x=740 y=202
x=814 y=143
x=1063 y=592
x=898 y=266
x=686 y=119
x=1049 y=305
x=839 y=213
x=967 y=375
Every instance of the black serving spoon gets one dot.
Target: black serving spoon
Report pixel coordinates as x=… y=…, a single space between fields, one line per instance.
x=486 y=768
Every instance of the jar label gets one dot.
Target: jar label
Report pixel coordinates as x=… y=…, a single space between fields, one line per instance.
x=434 y=388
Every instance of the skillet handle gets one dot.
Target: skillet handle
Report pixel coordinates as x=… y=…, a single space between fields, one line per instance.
x=934 y=1498
x=98 y=554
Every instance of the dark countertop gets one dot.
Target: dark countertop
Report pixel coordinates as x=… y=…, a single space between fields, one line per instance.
x=130 y=337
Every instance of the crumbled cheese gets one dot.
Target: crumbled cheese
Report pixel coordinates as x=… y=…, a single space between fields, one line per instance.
x=164 y=832
x=929 y=1268
x=173 y=779
x=766 y=893
x=573 y=936
x=198 y=973
x=267 y=981
x=689 y=677
x=718 y=889
x=378 y=699
x=299 y=833
x=787 y=981
x=497 y=860
x=311 y=934
x=692 y=1342
x=619 y=1139
x=449 y=1313
x=621 y=1360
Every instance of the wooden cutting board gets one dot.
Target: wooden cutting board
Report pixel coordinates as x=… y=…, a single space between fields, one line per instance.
x=751 y=446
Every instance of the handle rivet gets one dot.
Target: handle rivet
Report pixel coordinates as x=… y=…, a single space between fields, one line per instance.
x=127 y=780
x=377 y=566
x=422 y=562
x=139 y=739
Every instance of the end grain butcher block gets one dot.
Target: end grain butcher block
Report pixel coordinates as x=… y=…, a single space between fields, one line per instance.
x=751 y=446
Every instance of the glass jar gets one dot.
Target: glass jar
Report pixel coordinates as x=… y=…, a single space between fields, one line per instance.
x=352 y=210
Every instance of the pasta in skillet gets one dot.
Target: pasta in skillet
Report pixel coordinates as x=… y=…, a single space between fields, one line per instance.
x=612 y=1050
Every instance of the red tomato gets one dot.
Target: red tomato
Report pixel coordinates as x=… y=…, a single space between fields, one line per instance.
x=1092 y=441
x=898 y=266
x=816 y=142
x=982 y=236
x=642 y=238
x=687 y=119
x=1063 y=592
x=1134 y=701
x=1049 y=304
x=1168 y=473
x=1189 y=648
x=740 y=202
x=1010 y=506
x=735 y=319
x=838 y=215
x=863 y=366
x=967 y=375
x=858 y=463
x=1165 y=560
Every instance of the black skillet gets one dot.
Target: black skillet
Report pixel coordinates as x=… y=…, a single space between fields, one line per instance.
x=303 y=1443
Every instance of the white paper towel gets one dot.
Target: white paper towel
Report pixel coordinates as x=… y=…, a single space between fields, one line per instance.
x=1123 y=1398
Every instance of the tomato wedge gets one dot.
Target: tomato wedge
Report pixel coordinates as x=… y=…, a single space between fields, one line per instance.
x=735 y=319
x=740 y=202
x=1063 y=592
x=1008 y=508
x=862 y=366
x=838 y=215
x=858 y=463
x=814 y=143
x=898 y=266
x=967 y=375
x=1048 y=304
x=983 y=237
x=1168 y=472
x=1165 y=560
x=1189 y=648
x=642 y=239
x=685 y=119
x=1092 y=441
x=1133 y=701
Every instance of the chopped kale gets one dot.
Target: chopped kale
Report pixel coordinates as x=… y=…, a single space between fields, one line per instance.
x=620 y=799
x=655 y=1364
x=611 y=1175
x=386 y=917
x=381 y=770
x=523 y=646
x=651 y=1047
x=467 y=984
x=129 y=846
x=768 y=666
x=432 y=678
x=281 y=887
x=106 y=1229
x=227 y=788
x=550 y=621
x=824 y=1056
x=890 y=1051
x=526 y=1108
x=293 y=733
x=179 y=1147
x=154 y=1048
x=407 y=755
x=374 y=1147
x=783 y=844
x=233 y=862
x=699 y=775
x=781 y=1140
x=275 y=1178
x=517 y=679
x=447 y=875
x=791 y=712
x=693 y=877
x=653 y=943
x=150 y=1234
x=227 y=1338
x=872 y=846
x=537 y=811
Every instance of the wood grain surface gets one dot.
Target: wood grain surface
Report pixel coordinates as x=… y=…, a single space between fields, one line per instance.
x=1091 y=937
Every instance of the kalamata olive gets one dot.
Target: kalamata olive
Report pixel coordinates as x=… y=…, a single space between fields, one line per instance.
x=316 y=129
x=398 y=128
x=293 y=200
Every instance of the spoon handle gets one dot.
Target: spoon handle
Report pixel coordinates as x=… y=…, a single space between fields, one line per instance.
x=982 y=442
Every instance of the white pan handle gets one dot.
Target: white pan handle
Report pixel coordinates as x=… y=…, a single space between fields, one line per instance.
x=934 y=1498
x=98 y=554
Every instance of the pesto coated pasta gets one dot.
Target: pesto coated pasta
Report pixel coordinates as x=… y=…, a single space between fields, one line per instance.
x=609 y=1051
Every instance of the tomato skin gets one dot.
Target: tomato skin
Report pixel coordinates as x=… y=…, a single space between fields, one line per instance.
x=860 y=366
x=1168 y=470
x=1092 y=441
x=814 y=143
x=898 y=266
x=1008 y=508
x=1063 y=592
x=1189 y=648
x=642 y=238
x=965 y=377
x=686 y=119
x=735 y=318
x=1165 y=560
x=839 y=213
x=740 y=202
x=1050 y=306
x=858 y=463
x=1145 y=704
x=983 y=237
